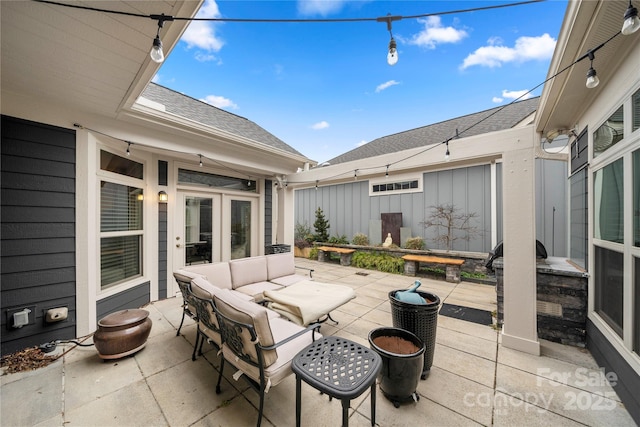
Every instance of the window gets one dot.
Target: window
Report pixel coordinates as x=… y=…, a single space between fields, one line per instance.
x=609 y=133
x=403 y=186
x=202 y=179
x=609 y=287
x=636 y=323
x=635 y=111
x=579 y=212
x=121 y=221
x=636 y=198
x=608 y=187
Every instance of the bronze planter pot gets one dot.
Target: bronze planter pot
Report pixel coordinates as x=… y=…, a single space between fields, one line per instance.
x=122 y=333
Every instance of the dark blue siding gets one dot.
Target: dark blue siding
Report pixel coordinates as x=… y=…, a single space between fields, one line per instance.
x=37 y=240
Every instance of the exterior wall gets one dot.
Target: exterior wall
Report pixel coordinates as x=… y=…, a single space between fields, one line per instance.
x=131 y=298
x=551 y=206
x=615 y=351
x=38 y=231
x=349 y=208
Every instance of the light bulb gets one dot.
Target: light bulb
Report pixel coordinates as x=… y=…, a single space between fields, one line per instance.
x=446 y=156
x=392 y=56
x=592 y=78
x=157 y=55
x=631 y=21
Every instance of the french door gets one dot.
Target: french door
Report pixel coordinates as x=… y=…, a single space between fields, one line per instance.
x=197 y=231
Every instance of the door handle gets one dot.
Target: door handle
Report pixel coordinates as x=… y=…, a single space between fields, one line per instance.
x=178 y=245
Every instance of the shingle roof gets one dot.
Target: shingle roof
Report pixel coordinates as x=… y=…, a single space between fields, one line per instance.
x=201 y=112
x=495 y=119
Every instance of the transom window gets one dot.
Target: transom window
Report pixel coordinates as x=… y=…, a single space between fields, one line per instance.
x=203 y=179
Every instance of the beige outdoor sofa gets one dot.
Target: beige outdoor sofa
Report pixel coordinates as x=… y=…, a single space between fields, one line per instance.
x=269 y=280
x=250 y=276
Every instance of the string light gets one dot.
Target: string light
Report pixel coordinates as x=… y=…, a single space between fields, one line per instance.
x=386 y=174
x=592 y=78
x=128 y=151
x=157 y=55
x=392 y=56
x=200 y=159
x=447 y=153
x=316 y=185
x=355 y=175
x=631 y=22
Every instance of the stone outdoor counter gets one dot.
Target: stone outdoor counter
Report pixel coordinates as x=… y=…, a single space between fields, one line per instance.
x=561 y=300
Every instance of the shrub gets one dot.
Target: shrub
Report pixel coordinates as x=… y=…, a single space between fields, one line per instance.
x=313 y=253
x=339 y=240
x=414 y=243
x=321 y=226
x=361 y=239
x=378 y=261
x=301 y=236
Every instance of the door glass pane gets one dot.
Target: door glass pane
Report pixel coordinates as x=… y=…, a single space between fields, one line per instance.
x=609 y=287
x=240 y=229
x=608 y=209
x=198 y=230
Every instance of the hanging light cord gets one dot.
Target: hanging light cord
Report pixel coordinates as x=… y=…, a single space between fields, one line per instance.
x=276 y=20
x=161 y=18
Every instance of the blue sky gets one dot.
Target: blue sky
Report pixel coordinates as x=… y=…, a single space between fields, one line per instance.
x=326 y=88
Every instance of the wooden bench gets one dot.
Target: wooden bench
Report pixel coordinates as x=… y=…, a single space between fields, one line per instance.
x=345 y=254
x=412 y=265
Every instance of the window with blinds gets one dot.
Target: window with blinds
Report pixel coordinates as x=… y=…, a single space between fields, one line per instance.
x=121 y=224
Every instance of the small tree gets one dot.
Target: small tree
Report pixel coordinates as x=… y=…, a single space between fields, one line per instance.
x=321 y=226
x=450 y=225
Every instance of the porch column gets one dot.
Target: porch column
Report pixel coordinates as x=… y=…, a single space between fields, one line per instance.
x=520 y=326
x=285 y=216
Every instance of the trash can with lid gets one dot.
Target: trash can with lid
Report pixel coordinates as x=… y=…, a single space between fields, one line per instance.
x=418 y=318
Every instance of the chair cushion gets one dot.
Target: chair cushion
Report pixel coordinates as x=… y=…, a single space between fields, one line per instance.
x=281 y=368
x=279 y=265
x=242 y=311
x=248 y=270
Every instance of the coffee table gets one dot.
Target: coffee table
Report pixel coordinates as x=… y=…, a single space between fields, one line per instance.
x=339 y=368
x=308 y=301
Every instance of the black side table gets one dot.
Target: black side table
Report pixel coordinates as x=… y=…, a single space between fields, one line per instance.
x=339 y=368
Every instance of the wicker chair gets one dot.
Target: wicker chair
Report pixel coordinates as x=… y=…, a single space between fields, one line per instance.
x=261 y=347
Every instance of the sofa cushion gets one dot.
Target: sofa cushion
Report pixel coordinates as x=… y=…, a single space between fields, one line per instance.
x=289 y=280
x=239 y=310
x=279 y=265
x=248 y=270
x=256 y=290
x=218 y=273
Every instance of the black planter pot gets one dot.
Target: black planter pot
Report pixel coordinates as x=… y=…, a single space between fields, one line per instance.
x=400 y=373
x=420 y=319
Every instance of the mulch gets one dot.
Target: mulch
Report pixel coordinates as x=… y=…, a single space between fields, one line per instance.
x=25 y=360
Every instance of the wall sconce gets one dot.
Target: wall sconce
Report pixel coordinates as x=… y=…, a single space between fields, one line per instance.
x=140 y=197
x=163 y=197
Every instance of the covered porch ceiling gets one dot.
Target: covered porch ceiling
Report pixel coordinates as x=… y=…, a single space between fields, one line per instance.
x=88 y=61
x=587 y=24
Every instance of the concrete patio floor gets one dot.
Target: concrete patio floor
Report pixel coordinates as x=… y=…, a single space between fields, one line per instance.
x=473 y=381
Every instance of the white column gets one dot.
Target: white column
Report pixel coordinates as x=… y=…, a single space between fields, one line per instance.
x=285 y=212
x=520 y=326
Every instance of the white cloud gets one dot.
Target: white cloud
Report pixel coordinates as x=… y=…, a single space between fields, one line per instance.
x=497 y=100
x=434 y=33
x=319 y=7
x=201 y=34
x=320 y=125
x=361 y=143
x=516 y=94
x=525 y=49
x=220 y=102
x=386 y=85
